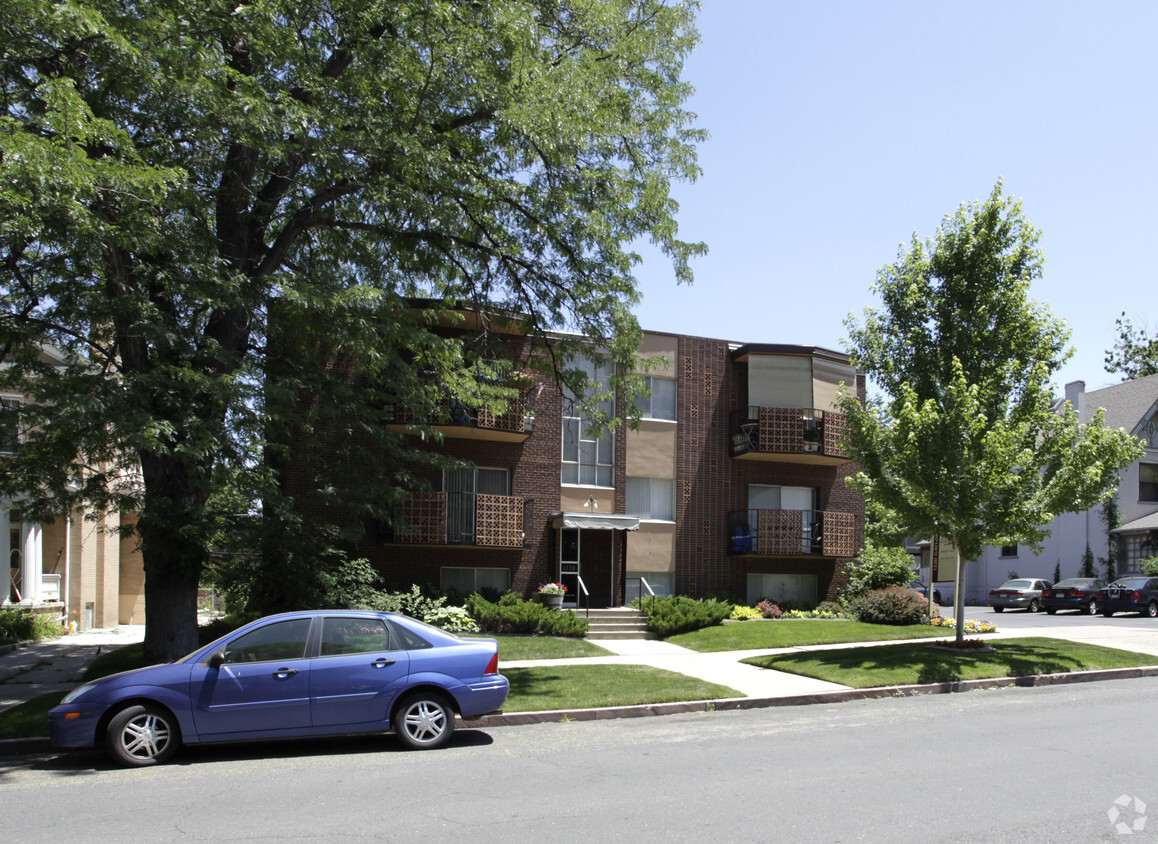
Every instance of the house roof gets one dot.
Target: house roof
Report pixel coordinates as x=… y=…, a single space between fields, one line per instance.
x=1126 y=404
x=1147 y=522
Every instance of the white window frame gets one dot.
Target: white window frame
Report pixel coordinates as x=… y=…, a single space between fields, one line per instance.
x=586 y=460
x=647 y=405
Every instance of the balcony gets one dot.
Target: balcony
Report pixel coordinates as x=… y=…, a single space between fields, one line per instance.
x=788 y=435
x=792 y=533
x=456 y=420
x=461 y=518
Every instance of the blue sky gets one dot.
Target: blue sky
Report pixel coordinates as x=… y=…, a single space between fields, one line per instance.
x=840 y=129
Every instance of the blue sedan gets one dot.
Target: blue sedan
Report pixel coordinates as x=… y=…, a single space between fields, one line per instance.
x=296 y=675
x=1130 y=594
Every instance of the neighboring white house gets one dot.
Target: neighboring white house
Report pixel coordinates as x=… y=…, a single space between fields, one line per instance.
x=1132 y=405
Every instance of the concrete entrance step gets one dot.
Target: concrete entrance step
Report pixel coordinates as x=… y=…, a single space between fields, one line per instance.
x=616 y=623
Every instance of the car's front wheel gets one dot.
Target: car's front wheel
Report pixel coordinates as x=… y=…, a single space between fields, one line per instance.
x=1107 y=613
x=143 y=735
x=1152 y=609
x=424 y=721
x=1092 y=607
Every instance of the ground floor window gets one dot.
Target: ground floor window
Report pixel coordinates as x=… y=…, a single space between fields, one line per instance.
x=467 y=580
x=782 y=587
x=659 y=581
x=1135 y=547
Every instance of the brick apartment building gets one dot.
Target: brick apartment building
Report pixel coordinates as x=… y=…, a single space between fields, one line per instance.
x=734 y=485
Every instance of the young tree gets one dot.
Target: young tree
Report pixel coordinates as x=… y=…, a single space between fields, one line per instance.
x=1087 y=569
x=964 y=443
x=180 y=182
x=1134 y=354
x=1111 y=518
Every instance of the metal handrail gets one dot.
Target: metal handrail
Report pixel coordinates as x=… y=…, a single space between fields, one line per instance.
x=587 y=595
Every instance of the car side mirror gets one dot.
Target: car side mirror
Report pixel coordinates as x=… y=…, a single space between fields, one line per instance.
x=217 y=660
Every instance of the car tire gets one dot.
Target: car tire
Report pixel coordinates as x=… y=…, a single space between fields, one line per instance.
x=998 y=609
x=1091 y=608
x=937 y=598
x=1107 y=613
x=143 y=735
x=1033 y=606
x=1050 y=610
x=1152 y=609
x=424 y=721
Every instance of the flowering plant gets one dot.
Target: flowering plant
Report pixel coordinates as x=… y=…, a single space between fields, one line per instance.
x=520 y=379
x=552 y=589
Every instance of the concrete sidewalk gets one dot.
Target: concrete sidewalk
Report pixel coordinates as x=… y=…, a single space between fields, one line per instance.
x=33 y=669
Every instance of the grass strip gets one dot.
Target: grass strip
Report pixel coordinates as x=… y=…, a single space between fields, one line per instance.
x=590 y=686
x=916 y=663
x=28 y=719
x=754 y=635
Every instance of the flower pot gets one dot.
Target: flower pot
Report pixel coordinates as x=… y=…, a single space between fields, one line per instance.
x=551 y=599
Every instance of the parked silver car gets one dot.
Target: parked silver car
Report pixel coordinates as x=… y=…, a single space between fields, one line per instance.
x=1021 y=594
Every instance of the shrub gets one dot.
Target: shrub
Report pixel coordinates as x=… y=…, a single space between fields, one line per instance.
x=413 y=603
x=769 y=609
x=1149 y=566
x=877 y=568
x=512 y=614
x=895 y=605
x=669 y=615
x=832 y=608
x=452 y=619
x=743 y=613
x=20 y=624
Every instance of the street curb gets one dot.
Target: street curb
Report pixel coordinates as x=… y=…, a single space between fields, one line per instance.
x=17 y=747
x=514 y=719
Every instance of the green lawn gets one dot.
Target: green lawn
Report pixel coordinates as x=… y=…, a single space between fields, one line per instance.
x=909 y=664
x=589 y=686
x=512 y=647
x=28 y=719
x=752 y=635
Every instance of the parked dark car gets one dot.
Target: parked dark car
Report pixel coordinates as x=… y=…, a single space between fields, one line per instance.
x=923 y=590
x=295 y=675
x=1130 y=594
x=1075 y=593
x=1022 y=593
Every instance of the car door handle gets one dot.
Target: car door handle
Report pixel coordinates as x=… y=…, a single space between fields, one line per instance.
x=382 y=663
x=281 y=674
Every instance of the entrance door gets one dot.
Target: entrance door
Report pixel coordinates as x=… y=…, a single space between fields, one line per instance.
x=596 y=565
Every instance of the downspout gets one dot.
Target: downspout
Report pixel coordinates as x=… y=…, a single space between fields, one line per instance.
x=67 y=567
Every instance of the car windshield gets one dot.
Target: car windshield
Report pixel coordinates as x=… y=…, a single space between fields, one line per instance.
x=1016 y=584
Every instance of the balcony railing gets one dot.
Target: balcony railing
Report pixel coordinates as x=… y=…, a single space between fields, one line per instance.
x=796 y=434
x=462 y=518
x=792 y=533
x=456 y=419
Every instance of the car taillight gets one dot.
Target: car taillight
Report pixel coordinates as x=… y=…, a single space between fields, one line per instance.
x=1048 y=593
x=1075 y=593
x=993 y=594
x=493 y=665
x=1135 y=596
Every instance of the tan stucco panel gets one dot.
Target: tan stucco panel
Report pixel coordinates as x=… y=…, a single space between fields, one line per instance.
x=660 y=346
x=651 y=548
x=651 y=451
x=132 y=578
x=574 y=499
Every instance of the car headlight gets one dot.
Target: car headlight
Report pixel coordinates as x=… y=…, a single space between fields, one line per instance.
x=77 y=692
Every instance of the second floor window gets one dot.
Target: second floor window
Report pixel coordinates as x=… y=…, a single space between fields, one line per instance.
x=651 y=498
x=1148 y=482
x=9 y=425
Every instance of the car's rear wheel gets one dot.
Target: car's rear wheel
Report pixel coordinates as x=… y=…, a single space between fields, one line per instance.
x=1033 y=605
x=998 y=609
x=1092 y=607
x=143 y=735
x=1050 y=610
x=1152 y=609
x=424 y=721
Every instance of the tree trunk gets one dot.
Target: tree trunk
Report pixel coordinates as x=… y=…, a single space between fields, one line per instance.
x=173 y=532
x=959 y=598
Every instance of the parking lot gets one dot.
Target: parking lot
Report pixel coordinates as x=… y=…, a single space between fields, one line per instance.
x=1130 y=632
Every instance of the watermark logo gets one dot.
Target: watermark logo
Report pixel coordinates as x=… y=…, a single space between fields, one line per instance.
x=1127 y=815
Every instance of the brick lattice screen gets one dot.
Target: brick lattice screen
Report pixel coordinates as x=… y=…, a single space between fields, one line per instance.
x=424 y=515
x=499 y=521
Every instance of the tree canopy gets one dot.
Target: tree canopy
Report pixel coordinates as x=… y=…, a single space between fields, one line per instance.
x=967 y=442
x=1135 y=355
x=215 y=209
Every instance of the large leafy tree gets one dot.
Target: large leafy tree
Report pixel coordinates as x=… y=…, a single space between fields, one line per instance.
x=1135 y=354
x=217 y=208
x=965 y=442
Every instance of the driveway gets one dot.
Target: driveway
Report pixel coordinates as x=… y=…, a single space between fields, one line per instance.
x=1128 y=632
